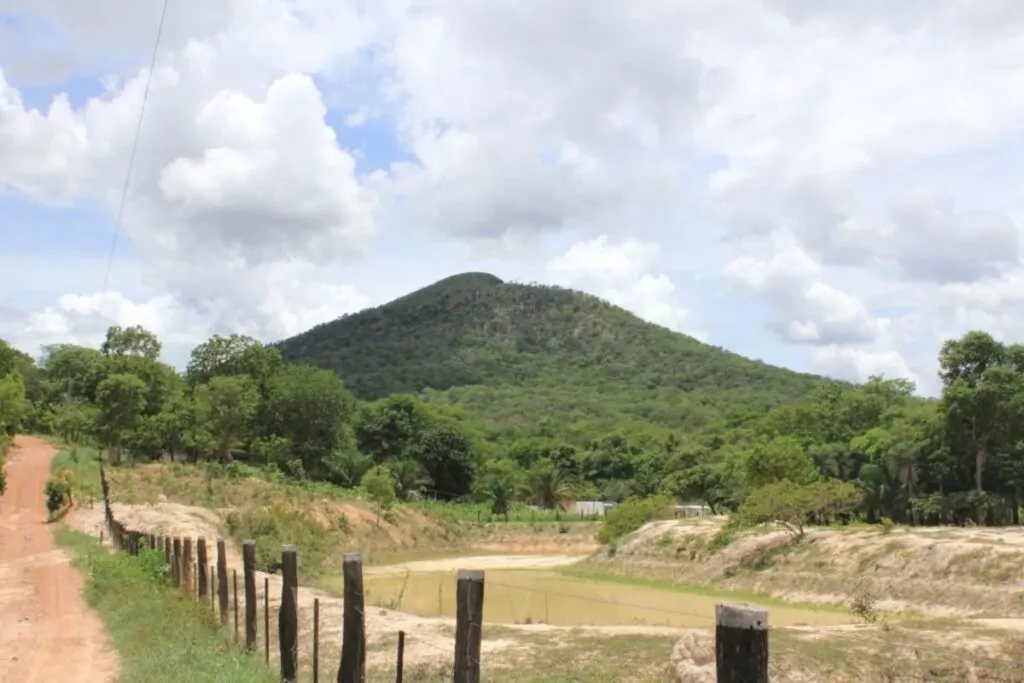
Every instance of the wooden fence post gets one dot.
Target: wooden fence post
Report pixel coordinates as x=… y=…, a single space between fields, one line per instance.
x=203 y=564
x=741 y=644
x=167 y=550
x=469 y=617
x=353 y=634
x=222 y=581
x=400 y=663
x=176 y=563
x=234 y=599
x=266 y=619
x=152 y=541
x=186 y=565
x=288 y=617
x=249 y=579
x=316 y=640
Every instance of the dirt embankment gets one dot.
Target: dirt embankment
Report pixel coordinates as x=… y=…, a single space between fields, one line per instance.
x=937 y=571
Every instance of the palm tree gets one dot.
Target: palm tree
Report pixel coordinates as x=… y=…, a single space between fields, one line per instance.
x=549 y=487
x=348 y=467
x=410 y=478
x=498 y=484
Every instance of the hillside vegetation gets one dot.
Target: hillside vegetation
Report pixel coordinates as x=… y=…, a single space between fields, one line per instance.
x=692 y=423
x=525 y=357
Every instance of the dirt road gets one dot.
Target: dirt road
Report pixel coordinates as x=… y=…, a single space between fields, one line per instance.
x=47 y=633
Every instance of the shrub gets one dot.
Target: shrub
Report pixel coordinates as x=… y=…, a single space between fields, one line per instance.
x=58 y=495
x=279 y=525
x=630 y=516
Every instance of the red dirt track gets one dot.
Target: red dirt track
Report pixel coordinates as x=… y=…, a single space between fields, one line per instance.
x=47 y=633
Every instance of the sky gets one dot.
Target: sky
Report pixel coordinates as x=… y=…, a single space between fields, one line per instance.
x=826 y=185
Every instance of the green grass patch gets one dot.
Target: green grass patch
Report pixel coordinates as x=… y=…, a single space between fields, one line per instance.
x=159 y=634
x=84 y=468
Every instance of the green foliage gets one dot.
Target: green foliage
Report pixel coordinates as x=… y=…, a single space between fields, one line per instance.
x=58 y=493
x=630 y=515
x=121 y=398
x=527 y=358
x=499 y=483
x=280 y=525
x=160 y=635
x=794 y=505
x=14 y=405
x=505 y=393
x=79 y=468
x=226 y=407
x=379 y=483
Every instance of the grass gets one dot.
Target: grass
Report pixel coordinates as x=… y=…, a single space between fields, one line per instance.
x=160 y=636
x=85 y=471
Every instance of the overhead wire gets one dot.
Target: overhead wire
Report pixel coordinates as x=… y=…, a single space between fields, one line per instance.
x=135 y=147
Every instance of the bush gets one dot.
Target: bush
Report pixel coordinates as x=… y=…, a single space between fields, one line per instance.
x=58 y=494
x=630 y=516
x=279 y=525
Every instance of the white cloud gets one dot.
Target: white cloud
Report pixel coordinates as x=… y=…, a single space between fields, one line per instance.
x=807 y=309
x=842 y=125
x=620 y=272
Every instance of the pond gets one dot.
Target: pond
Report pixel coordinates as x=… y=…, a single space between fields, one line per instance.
x=552 y=597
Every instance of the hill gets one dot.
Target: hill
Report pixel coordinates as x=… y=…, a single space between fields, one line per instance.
x=516 y=354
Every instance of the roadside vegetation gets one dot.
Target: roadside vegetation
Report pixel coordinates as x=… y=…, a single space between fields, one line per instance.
x=159 y=634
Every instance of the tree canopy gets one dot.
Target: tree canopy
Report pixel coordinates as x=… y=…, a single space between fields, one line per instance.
x=474 y=388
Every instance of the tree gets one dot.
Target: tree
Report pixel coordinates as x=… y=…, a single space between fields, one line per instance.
x=71 y=373
x=404 y=428
x=131 y=341
x=121 y=399
x=549 y=487
x=498 y=484
x=309 y=407
x=792 y=505
x=75 y=421
x=782 y=458
x=13 y=404
x=233 y=355
x=347 y=466
x=226 y=405
x=410 y=478
x=379 y=483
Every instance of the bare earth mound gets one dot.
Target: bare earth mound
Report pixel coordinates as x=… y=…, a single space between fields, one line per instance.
x=47 y=633
x=944 y=571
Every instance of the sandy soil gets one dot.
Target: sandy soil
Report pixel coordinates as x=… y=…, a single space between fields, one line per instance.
x=46 y=631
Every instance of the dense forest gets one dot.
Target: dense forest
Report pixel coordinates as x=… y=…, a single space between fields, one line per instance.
x=477 y=388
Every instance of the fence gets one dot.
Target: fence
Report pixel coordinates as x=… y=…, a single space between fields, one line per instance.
x=741 y=631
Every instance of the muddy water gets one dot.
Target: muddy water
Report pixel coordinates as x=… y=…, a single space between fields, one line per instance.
x=544 y=596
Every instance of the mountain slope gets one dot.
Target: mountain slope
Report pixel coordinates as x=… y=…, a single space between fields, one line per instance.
x=515 y=353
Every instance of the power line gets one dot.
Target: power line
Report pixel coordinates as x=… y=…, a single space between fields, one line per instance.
x=135 y=146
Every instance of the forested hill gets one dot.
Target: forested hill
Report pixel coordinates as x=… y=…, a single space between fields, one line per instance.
x=483 y=343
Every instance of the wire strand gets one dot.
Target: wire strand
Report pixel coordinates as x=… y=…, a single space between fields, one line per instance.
x=135 y=147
